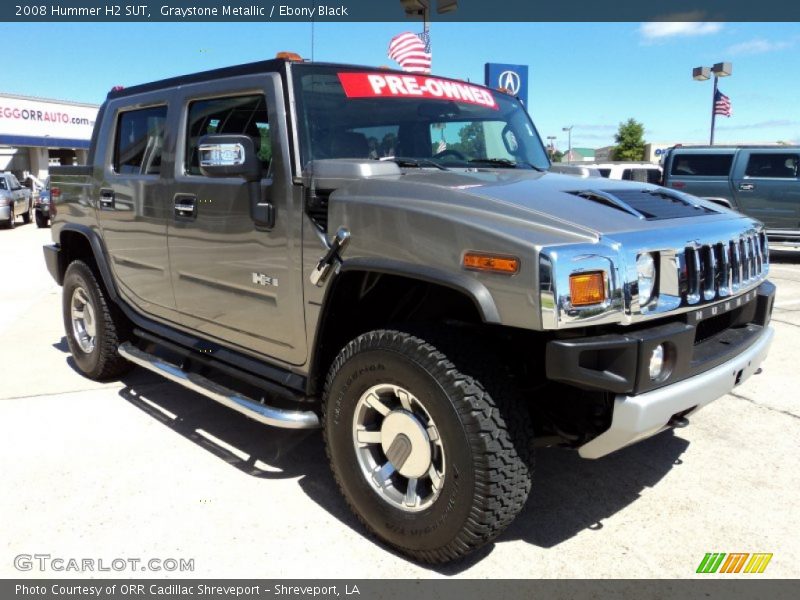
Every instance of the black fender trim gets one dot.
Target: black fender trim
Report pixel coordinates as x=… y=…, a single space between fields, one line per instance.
x=258 y=366
x=99 y=252
x=460 y=282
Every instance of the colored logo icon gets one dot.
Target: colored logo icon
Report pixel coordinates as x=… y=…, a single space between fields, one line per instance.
x=735 y=562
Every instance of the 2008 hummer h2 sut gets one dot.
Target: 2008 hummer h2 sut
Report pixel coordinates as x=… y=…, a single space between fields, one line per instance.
x=386 y=256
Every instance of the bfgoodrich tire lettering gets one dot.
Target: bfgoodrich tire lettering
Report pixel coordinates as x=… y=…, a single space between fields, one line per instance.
x=485 y=441
x=109 y=327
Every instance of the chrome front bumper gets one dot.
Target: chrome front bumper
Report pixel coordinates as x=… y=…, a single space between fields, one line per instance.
x=638 y=417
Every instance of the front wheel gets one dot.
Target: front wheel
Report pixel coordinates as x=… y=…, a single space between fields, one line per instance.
x=41 y=220
x=430 y=459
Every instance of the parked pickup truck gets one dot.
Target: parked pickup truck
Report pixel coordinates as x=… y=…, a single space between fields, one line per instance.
x=762 y=182
x=385 y=256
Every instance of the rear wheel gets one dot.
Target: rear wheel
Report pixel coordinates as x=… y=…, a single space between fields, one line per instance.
x=28 y=216
x=94 y=327
x=41 y=220
x=432 y=460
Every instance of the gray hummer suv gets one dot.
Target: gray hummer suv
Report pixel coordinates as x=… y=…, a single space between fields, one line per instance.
x=386 y=256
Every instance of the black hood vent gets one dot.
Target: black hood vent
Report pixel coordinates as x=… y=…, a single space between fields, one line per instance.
x=647 y=204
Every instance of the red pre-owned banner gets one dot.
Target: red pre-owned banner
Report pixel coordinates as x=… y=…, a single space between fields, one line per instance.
x=379 y=85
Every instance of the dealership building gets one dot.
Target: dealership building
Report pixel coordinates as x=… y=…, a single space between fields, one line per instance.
x=36 y=133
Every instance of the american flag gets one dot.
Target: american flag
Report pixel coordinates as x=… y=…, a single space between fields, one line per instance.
x=412 y=51
x=722 y=104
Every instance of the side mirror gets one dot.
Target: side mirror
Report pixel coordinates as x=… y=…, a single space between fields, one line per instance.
x=235 y=156
x=229 y=156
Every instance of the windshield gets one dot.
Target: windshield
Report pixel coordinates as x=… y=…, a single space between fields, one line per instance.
x=414 y=119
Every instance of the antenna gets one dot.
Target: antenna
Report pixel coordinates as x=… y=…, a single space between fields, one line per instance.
x=312 y=32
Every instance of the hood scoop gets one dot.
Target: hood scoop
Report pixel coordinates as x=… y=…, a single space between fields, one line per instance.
x=647 y=204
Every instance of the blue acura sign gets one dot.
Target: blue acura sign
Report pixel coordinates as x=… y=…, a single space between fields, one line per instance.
x=514 y=78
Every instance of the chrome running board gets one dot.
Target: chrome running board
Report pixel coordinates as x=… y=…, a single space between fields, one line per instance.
x=269 y=415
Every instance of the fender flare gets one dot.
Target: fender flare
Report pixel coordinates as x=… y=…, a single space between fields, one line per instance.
x=460 y=282
x=98 y=251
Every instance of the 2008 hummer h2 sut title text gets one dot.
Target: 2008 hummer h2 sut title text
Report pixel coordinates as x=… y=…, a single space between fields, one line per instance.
x=386 y=256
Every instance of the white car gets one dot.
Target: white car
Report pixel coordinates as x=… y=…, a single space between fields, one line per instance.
x=15 y=199
x=628 y=170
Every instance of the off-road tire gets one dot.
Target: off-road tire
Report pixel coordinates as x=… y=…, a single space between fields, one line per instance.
x=103 y=362
x=486 y=433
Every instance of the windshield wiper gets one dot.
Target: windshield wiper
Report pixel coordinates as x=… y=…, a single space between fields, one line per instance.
x=505 y=162
x=405 y=161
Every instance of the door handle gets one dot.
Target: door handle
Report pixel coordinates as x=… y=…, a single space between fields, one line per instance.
x=106 y=198
x=747 y=187
x=185 y=206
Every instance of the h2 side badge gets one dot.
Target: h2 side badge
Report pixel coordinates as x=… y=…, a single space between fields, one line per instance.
x=265 y=280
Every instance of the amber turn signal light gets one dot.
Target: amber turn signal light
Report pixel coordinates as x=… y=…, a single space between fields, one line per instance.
x=587 y=288
x=493 y=263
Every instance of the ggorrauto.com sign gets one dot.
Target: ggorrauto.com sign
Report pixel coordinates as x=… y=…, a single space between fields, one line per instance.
x=43 y=119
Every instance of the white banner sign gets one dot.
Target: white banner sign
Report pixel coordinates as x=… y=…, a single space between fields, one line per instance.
x=36 y=118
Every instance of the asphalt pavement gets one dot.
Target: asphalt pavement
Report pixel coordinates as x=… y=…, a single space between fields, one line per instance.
x=143 y=469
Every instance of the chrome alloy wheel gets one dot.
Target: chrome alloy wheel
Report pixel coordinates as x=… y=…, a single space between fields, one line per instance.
x=84 y=325
x=398 y=447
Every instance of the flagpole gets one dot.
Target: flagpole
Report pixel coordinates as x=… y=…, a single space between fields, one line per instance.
x=714 y=108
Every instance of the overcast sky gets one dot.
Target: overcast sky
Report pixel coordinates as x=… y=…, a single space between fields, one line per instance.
x=590 y=75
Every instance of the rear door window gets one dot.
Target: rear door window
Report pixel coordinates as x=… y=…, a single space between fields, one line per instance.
x=702 y=165
x=781 y=165
x=139 y=141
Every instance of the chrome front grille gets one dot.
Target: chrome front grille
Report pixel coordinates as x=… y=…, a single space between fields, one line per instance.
x=710 y=271
x=696 y=266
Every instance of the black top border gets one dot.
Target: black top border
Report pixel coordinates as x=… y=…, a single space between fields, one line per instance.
x=393 y=11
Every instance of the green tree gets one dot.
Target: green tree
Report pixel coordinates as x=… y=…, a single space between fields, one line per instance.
x=473 y=143
x=630 y=141
x=557 y=156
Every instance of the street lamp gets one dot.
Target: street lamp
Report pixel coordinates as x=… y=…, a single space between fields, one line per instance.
x=722 y=69
x=421 y=8
x=552 y=140
x=569 y=141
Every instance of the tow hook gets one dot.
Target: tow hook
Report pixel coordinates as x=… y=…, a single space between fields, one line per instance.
x=678 y=422
x=331 y=260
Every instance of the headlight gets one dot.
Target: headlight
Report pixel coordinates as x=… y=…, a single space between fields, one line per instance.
x=646 y=275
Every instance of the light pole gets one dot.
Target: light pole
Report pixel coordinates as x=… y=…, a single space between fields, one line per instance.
x=722 y=69
x=552 y=140
x=421 y=8
x=569 y=141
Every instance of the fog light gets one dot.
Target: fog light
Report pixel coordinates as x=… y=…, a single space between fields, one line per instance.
x=657 y=363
